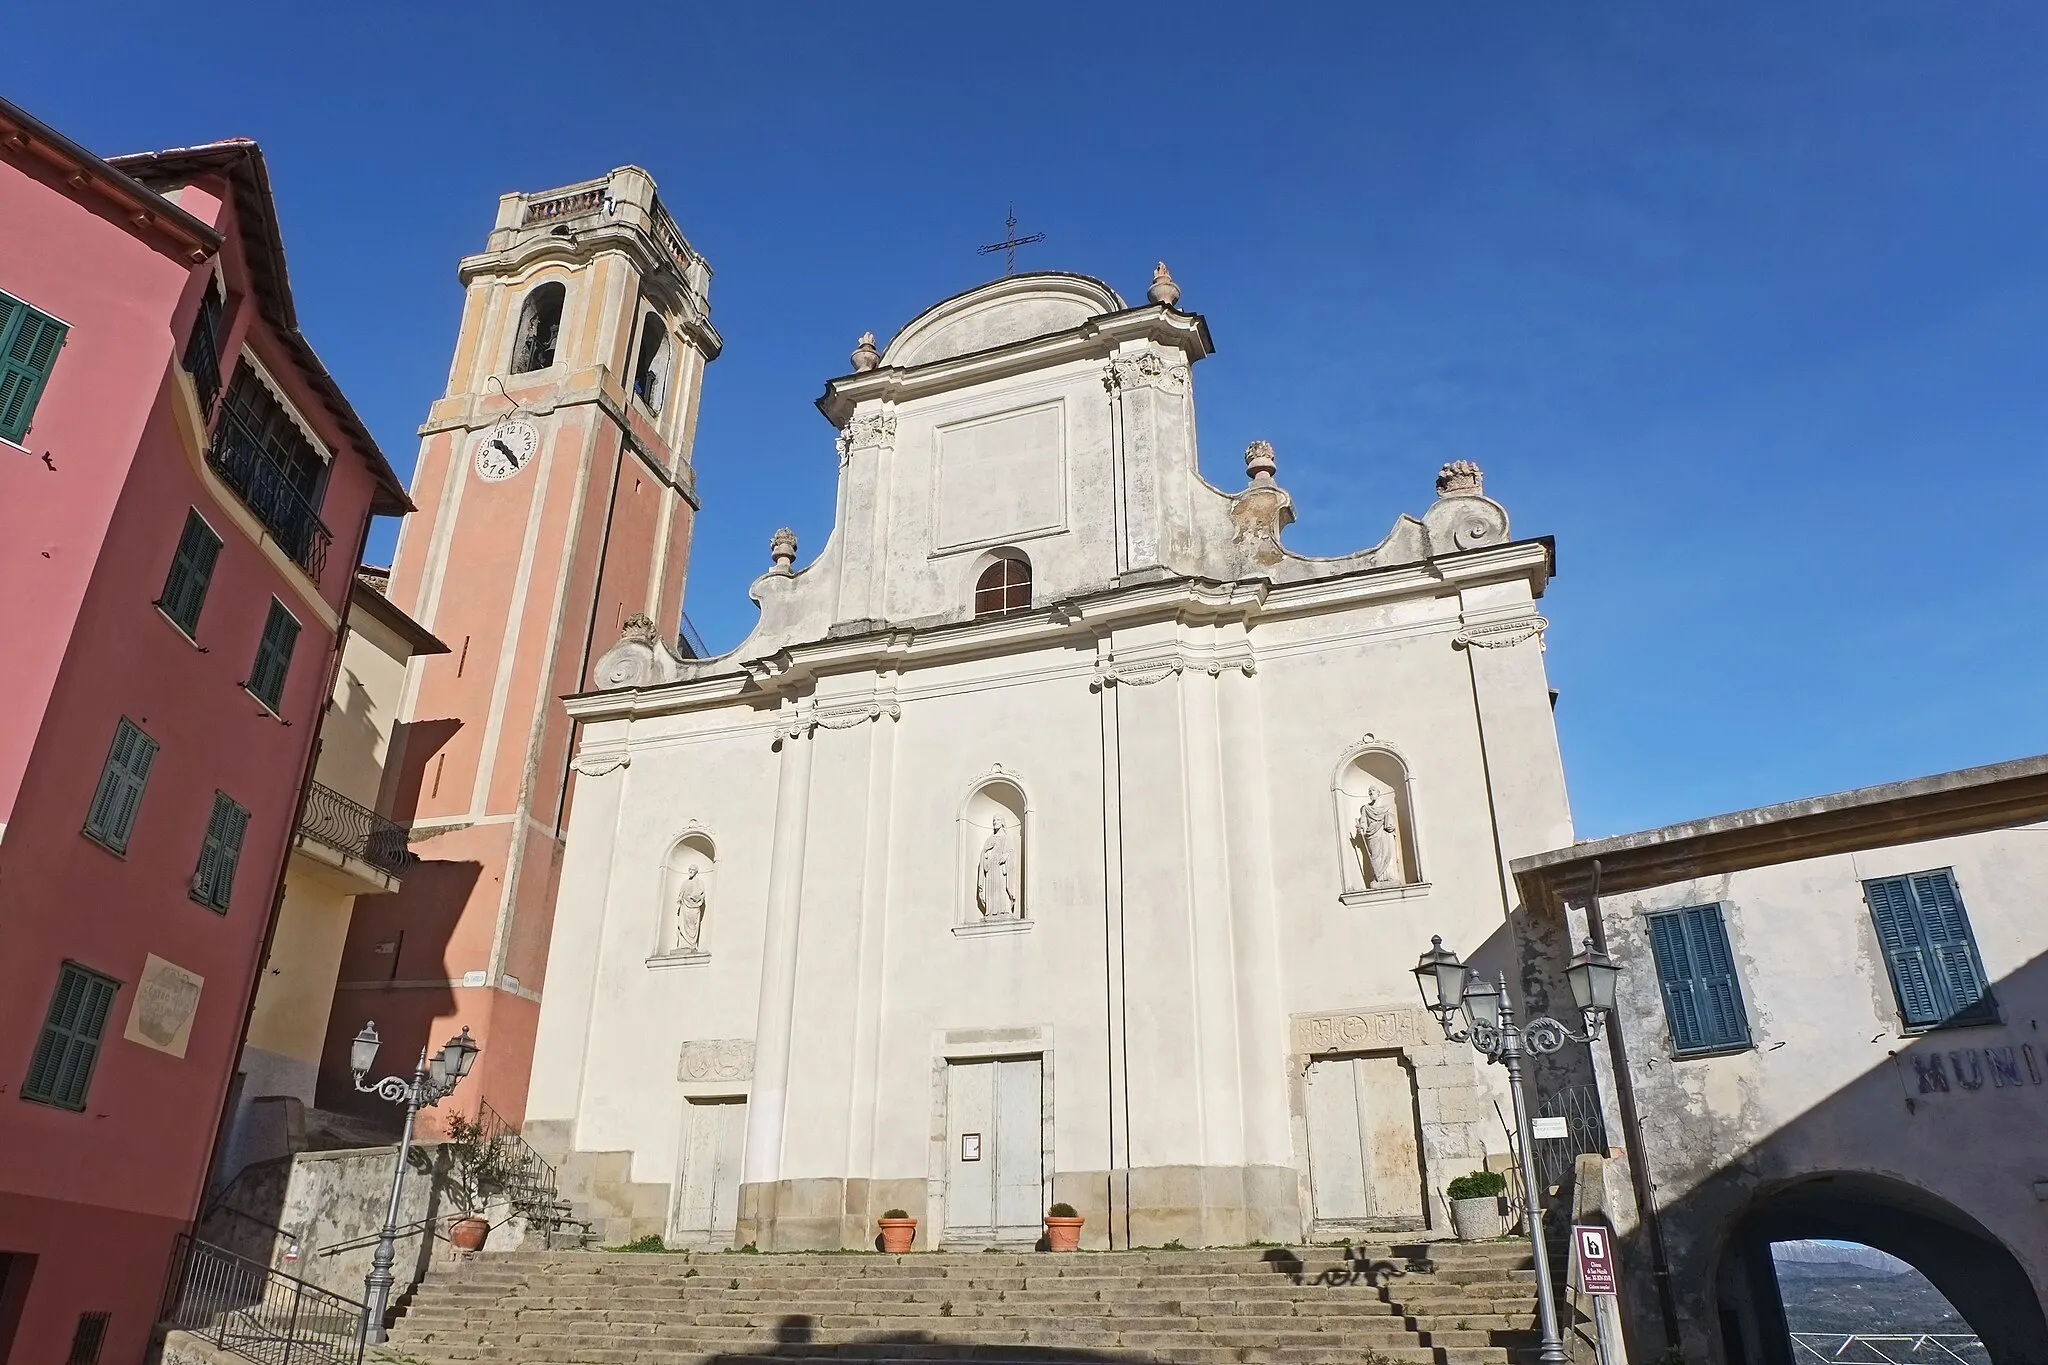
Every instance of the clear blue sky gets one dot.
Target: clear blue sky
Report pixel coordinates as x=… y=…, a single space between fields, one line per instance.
x=1747 y=305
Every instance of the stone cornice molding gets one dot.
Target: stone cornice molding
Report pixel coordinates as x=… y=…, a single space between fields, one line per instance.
x=803 y=720
x=659 y=275
x=1097 y=338
x=1500 y=634
x=1146 y=370
x=866 y=433
x=1144 y=672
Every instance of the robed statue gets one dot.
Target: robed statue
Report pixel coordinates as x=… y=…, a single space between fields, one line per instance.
x=689 y=911
x=1378 y=841
x=996 y=882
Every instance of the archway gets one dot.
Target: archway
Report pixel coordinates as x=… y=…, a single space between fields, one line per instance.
x=1971 y=1268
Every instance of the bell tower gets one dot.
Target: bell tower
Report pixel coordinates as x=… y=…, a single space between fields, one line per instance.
x=555 y=496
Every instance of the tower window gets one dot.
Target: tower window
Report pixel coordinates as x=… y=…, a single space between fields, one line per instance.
x=1004 y=587
x=650 y=370
x=540 y=325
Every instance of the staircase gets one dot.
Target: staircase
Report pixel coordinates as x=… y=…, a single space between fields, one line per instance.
x=1415 y=1304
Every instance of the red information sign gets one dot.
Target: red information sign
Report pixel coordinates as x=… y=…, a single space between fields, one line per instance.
x=1593 y=1258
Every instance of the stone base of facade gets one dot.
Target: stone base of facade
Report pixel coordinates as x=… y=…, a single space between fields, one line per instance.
x=1149 y=1206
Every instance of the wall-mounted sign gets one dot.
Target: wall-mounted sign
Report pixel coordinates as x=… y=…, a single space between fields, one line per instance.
x=970 y=1146
x=1593 y=1258
x=1552 y=1128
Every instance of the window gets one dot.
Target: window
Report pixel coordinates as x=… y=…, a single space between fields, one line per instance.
x=213 y=881
x=191 y=572
x=61 y=1068
x=650 y=371
x=1702 y=1000
x=273 y=656
x=29 y=342
x=260 y=452
x=540 y=324
x=1925 y=933
x=1004 y=587
x=87 y=1339
x=119 y=794
x=202 y=348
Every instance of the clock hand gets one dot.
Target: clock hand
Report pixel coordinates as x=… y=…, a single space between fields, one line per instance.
x=500 y=444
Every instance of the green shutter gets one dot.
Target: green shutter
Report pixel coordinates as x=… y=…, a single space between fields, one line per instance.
x=29 y=342
x=191 y=572
x=1925 y=934
x=213 y=882
x=118 y=797
x=1696 y=971
x=61 y=1068
x=273 y=656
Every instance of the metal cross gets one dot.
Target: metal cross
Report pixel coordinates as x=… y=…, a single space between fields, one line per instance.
x=1011 y=241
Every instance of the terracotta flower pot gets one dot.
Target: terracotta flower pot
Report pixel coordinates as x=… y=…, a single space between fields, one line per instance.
x=1063 y=1234
x=898 y=1233
x=468 y=1234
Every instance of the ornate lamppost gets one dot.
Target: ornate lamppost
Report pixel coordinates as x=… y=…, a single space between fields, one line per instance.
x=1450 y=988
x=430 y=1084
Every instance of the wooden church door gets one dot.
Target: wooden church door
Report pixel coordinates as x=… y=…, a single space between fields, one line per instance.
x=707 y=1200
x=995 y=1186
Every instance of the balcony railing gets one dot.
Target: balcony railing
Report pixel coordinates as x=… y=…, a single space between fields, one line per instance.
x=260 y=1314
x=243 y=463
x=355 y=831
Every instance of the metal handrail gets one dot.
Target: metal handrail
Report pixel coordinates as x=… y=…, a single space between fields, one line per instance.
x=355 y=830
x=260 y=1314
x=246 y=466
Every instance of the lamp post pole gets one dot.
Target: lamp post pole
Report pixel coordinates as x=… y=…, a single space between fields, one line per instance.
x=1449 y=988
x=431 y=1083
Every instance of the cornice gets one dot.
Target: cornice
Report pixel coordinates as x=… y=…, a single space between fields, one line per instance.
x=659 y=274
x=1096 y=339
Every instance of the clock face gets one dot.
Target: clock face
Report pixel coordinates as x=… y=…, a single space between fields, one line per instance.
x=504 y=450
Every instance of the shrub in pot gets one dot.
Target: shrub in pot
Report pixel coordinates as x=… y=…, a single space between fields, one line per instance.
x=1063 y=1228
x=1475 y=1205
x=484 y=1167
x=899 y=1229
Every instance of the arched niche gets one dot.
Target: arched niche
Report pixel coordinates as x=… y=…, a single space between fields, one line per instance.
x=689 y=897
x=995 y=852
x=1373 y=804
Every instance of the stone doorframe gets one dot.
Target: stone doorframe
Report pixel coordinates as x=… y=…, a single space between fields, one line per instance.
x=984 y=1045
x=1450 y=1098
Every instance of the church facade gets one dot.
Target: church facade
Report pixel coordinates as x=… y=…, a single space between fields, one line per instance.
x=1057 y=835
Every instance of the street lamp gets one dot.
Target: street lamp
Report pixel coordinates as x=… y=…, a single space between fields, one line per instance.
x=1449 y=989
x=430 y=1084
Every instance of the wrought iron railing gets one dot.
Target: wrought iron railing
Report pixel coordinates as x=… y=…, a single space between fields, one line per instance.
x=202 y=354
x=357 y=831
x=530 y=1178
x=243 y=463
x=1890 y=1348
x=260 y=1314
x=1579 y=1107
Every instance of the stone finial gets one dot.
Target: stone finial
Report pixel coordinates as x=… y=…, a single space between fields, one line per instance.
x=639 y=627
x=1460 y=478
x=865 y=356
x=1258 y=462
x=1163 y=289
x=782 y=549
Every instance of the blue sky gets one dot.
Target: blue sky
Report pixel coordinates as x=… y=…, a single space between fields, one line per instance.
x=1746 y=304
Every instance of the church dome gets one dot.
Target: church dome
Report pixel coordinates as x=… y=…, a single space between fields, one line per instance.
x=1014 y=308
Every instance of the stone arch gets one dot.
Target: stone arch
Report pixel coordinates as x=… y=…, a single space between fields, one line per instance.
x=997 y=794
x=535 y=339
x=1375 y=770
x=1000 y=582
x=651 y=363
x=692 y=849
x=1971 y=1267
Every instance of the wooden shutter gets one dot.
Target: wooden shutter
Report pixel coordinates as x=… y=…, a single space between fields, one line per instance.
x=191 y=572
x=119 y=795
x=213 y=882
x=273 y=656
x=1905 y=949
x=62 y=1065
x=1958 y=975
x=1702 y=1000
x=29 y=342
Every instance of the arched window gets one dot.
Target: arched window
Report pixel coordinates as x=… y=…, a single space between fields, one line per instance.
x=1004 y=587
x=650 y=371
x=540 y=324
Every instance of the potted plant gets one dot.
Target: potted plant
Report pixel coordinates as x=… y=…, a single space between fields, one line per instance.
x=1063 y=1228
x=1475 y=1205
x=899 y=1229
x=485 y=1168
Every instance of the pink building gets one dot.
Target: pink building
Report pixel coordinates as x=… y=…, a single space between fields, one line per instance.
x=184 y=495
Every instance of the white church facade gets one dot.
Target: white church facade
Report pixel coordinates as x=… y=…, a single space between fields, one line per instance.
x=1057 y=835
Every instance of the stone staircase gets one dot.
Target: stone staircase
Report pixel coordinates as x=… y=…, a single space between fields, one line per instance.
x=1409 y=1304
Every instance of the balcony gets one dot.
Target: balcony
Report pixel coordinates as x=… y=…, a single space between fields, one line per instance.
x=351 y=846
x=246 y=465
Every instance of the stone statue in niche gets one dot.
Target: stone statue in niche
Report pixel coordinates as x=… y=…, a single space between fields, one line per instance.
x=1378 y=840
x=996 y=887
x=690 y=904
